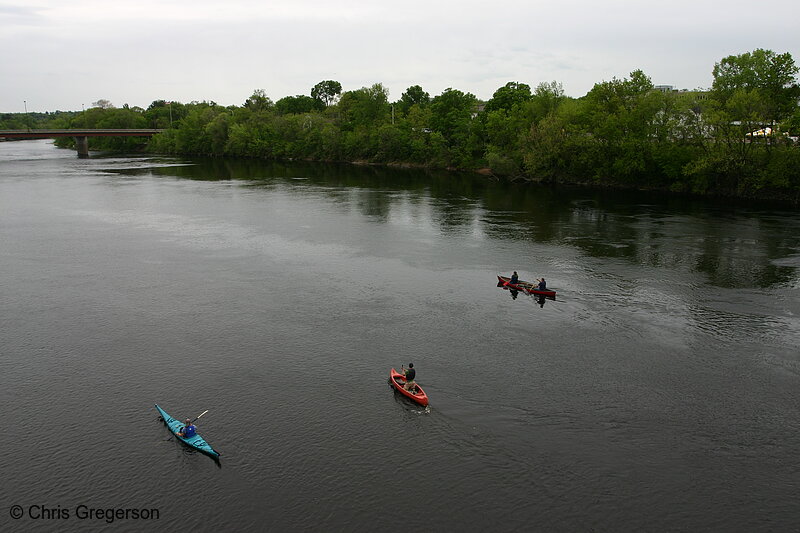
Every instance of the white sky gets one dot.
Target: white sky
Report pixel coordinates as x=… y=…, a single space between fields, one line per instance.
x=62 y=54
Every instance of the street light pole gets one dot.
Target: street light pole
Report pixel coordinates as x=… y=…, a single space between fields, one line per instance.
x=27 y=118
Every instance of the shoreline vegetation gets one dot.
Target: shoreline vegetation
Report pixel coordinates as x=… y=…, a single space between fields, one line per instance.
x=737 y=139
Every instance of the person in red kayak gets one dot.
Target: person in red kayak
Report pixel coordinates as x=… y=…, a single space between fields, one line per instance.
x=514 y=278
x=542 y=285
x=410 y=374
x=188 y=431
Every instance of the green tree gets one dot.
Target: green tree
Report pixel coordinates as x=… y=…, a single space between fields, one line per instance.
x=414 y=95
x=559 y=146
x=451 y=112
x=545 y=100
x=163 y=114
x=365 y=106
x=326 y=92
x=512 y=95
x=731 y=155
x=258 y=101
x=620 y=115
x=792 y=124
x=451 y=117
x=296 y=104
x=772 y=75
x=195 y=136
x=749 y=91
x=505 y=122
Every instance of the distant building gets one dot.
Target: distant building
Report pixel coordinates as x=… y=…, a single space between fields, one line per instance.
x=664 y=88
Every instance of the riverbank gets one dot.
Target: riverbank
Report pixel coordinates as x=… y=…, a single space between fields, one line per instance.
x=768 y=196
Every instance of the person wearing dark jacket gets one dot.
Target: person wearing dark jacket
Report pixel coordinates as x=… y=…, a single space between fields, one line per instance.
x=410 y=374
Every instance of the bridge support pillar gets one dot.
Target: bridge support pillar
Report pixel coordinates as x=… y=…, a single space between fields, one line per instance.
x=82 y=144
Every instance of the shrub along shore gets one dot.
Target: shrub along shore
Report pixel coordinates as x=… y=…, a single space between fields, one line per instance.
x=737 y=139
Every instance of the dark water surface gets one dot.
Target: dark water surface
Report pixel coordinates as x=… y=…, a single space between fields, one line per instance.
x=658 y=393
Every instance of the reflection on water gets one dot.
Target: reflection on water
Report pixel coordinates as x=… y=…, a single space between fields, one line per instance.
x=514 y=293
x=734 y=246
x=278 y=296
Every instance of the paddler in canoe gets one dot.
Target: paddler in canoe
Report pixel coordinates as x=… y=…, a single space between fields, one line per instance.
x=410 y=374
x=515 y=283
x=404 y=382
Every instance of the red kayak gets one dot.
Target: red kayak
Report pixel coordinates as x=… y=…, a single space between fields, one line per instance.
x=398 y=380
x=524 y=286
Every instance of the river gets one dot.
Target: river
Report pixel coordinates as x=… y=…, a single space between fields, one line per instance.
x=658 y=392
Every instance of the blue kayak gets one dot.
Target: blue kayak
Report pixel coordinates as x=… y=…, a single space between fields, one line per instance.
x=195 y=442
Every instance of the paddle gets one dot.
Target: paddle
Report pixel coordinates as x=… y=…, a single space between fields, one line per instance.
x=402 y=375
x=192 y=421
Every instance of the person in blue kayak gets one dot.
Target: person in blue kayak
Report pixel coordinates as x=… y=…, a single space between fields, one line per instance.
x=514 y=278
x=188 y=431
x=542 y=285
x=410 y=374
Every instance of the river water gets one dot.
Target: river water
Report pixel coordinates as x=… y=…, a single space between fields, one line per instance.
x=659 y=392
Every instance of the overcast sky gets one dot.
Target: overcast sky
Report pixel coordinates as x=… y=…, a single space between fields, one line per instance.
x=62 y=54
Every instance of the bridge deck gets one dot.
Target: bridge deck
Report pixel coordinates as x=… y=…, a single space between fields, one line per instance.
x=49 y=134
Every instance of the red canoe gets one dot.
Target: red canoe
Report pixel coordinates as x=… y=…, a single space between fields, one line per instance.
x=398 y=380
x=525 y=286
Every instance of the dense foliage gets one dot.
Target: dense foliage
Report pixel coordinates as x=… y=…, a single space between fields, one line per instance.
x=32 y=120
x=739 y=138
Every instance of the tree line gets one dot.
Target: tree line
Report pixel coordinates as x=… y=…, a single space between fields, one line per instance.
x=739 y=138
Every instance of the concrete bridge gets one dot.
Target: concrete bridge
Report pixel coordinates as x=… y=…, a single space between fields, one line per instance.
x=81 y=135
